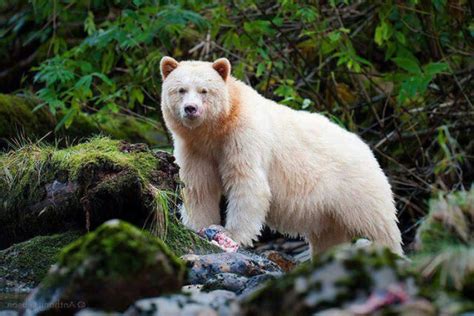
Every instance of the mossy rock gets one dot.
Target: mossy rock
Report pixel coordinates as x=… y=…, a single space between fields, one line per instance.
x=338 y=278
x=18 y=121
x=46 y=190
x=23 y=265
x=109 y=269
x=445 y=256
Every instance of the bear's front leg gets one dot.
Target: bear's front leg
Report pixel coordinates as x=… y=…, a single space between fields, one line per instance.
x=201 y=194
x=248 y=197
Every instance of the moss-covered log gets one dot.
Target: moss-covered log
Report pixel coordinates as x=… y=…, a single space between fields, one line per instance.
x=45 y=190
x=19 y=121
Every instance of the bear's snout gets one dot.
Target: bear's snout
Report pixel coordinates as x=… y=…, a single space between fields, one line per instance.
x=191 y=111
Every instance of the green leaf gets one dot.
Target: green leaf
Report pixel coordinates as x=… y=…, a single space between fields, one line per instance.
x=136 y=95
x=103 y=77
x=334 y=36
x=401 y=38
x=433 y=69
x=84 y=82
x=408 y=64
x=383 y=32
x=260 y=69
x=89 y=24
x=67 y=119
x=378 y=37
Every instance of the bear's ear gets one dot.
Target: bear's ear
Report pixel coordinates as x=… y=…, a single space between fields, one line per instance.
x=167 y=65
x=222 y=66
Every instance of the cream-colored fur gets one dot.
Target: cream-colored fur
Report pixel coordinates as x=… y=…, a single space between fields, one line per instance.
x=295 y=171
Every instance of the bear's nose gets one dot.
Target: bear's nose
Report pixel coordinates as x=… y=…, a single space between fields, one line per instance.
x=190 y=109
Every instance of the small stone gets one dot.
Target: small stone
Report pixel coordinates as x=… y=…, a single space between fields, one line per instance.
x=285 y=262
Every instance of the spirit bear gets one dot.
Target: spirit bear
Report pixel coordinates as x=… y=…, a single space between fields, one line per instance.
x=295 y=171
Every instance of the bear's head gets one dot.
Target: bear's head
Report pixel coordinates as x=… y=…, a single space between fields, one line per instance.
x=195 y=92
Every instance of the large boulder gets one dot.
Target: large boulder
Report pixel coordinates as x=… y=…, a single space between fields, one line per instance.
x=108 y=269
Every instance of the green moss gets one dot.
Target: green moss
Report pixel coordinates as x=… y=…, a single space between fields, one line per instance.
x=99 y=151
x=168 y=227
x=26 y=263
x=117 y=249
x=26 y=171
x=183 y=241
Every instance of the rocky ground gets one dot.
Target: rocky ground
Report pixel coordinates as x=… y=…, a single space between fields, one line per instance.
x=93 y=229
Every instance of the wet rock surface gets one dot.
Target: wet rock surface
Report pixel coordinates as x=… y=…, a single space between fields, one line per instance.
x=107 y=269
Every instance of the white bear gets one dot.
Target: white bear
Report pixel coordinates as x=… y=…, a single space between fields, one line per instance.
x=295 y=171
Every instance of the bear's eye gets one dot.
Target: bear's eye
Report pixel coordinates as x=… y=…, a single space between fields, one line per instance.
x=204 y=91
x=182 y=90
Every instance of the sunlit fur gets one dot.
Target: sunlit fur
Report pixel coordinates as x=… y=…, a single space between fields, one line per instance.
x=295 y=171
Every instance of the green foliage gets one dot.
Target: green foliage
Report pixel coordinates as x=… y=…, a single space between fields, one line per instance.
x=85 y=76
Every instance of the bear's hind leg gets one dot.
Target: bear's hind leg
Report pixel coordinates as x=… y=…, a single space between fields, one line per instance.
x=332 y=235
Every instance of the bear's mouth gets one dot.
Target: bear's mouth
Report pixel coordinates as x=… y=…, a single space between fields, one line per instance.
x=191 y=117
